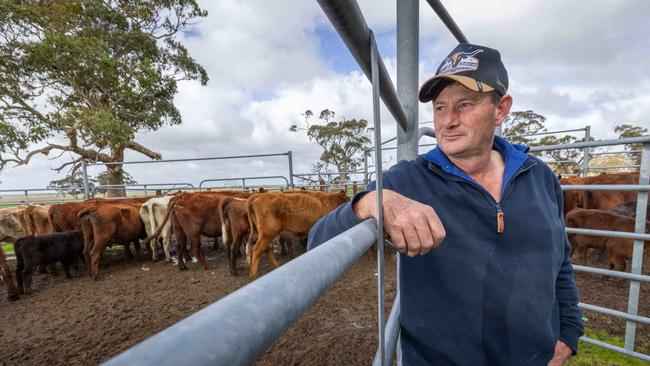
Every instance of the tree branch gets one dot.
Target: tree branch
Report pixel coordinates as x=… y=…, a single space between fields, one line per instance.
x=132 y=145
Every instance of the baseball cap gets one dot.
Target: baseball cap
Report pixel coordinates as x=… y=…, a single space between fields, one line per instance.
x=478 y=68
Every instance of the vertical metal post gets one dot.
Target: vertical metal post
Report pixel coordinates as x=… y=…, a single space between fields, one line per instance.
x=243 y=184
x=84 y=172
x=585 y=153
x=408 y=56
x=637 y=252
x=26 y=197
x=365 y=169
x=407 y=76
x=290 y=154
x=145 y=191
x=374 y=63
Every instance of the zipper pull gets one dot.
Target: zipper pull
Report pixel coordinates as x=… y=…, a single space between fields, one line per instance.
x=500 y=224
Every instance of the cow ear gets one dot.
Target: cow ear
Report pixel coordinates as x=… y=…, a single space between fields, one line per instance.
x=343 y=193
x=559 y=176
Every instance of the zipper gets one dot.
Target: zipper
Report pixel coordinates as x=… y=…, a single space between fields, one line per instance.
x=500 y=215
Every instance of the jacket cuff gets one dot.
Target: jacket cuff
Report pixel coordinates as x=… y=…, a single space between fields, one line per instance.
x=346 y=216
x=570 y=337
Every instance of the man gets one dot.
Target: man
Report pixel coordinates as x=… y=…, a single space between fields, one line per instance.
x=498 y=287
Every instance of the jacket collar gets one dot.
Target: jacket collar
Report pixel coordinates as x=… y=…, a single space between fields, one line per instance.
x=514 y=156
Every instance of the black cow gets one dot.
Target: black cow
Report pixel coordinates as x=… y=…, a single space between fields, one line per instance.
x=31 y=251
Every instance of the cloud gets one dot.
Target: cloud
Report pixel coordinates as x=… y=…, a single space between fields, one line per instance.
x=577 y=63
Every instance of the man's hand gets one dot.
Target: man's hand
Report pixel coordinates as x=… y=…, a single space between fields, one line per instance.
x=413 y=227
x=562 y=354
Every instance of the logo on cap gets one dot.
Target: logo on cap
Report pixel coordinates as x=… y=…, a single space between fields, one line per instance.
x=460 y=61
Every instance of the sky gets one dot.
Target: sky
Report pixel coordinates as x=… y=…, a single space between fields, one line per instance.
x=576 y=62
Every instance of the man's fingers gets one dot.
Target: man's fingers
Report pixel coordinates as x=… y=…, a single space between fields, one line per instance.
x=425 y=235
x=397 y=238
x=412 y=241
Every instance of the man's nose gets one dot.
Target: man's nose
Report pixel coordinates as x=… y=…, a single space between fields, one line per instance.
x=449 y=119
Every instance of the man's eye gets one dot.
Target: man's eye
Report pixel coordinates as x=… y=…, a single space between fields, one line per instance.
x=463 y=106
x=438 y=108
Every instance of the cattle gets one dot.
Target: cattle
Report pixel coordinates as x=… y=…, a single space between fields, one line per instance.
x=292 y=214
x=106 y=223
x=36 y=220
x=629 y=209
x=234 y=227
x=65 y=216
x=595 y=220
x=7 y=278
x=599 y=200
x=65 y=247
x=193 y=215
x=153 y=213
x=10 y=224
x=619 y=252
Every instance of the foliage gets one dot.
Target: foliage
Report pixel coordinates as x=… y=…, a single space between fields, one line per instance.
x=523 y=123
x=72 y=184
x=342 y=141
x=91 y=73
x=627 y=130
x=562 y=161
x=104 y=179
x=8 y=248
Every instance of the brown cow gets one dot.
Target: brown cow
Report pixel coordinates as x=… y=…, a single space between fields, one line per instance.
x=599 y=200
x=36 y=220
x=65 y=216
x=193 y=215
x=10 y=224
x=619 y=252
x=5 y=272
x=107 y=223
x=595 y=220
x=293 y=214
x=234 y=227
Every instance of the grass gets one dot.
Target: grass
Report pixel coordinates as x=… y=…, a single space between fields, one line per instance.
x=591 y=355
x=7 y=248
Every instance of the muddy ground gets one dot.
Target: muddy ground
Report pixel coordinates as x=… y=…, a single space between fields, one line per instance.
x=82 y=322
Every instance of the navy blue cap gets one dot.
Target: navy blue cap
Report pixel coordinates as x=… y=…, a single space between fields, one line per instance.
x=478 y=68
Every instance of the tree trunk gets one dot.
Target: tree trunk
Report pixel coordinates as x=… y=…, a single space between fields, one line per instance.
x=115 y=174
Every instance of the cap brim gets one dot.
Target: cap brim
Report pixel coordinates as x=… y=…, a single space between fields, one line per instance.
x=428 y=89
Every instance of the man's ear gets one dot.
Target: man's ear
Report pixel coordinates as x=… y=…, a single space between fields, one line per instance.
x=502 y=110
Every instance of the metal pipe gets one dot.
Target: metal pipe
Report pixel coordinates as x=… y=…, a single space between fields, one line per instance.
x=426 y=131
x=379 y=211
x=392 y=333
x=616 y=313
x=580 y=145
x=606 y=272
x=637 y=250
x=607 y=233
x=347 y=19
x=84 y=172
x=182 y=160
x=437 y=6
x=290 y=156
x=242 y=178
x=606 y=187
x=615 y=349
x=236 y=330
x=615 y=167
x=617 y=152
x=407 y=76
x=544 y=133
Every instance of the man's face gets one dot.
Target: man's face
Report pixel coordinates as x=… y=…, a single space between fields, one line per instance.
x=464 y=121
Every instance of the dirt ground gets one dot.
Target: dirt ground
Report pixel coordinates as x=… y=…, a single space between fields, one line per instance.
x=82 y=322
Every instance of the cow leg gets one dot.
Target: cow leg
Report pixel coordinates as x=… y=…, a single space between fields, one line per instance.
x=136 y=244
x=12 y=291
x=153 y=246
x=66 y=268
x=27 y=276
x=41 y=269
x=127 y=251
x=195 y=243
x=261 y=245
x=181 y=252
x=232 y=253
x=167 y=238
x=269 y=253
x=53 y=269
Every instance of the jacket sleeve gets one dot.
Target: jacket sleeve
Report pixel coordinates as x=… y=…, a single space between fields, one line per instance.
x=339 y=220
x=566 y=292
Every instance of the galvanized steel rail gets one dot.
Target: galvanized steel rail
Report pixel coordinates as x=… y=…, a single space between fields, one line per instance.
x=237 y=329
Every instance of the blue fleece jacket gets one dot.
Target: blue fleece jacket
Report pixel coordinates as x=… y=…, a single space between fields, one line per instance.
x=482 y=297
